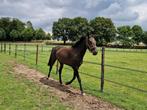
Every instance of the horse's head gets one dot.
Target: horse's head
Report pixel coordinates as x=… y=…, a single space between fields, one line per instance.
x=91 y=45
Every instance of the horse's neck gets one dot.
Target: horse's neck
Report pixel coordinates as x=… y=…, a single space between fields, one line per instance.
x=81 y=50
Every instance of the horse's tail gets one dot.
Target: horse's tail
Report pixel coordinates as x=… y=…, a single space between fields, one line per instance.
x=53 y=58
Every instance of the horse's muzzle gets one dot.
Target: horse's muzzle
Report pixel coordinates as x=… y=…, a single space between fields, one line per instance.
x=95 y=53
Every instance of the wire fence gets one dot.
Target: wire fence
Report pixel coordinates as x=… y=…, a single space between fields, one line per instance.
x=39 y=54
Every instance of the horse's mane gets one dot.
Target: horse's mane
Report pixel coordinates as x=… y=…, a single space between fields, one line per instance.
x=78 y=42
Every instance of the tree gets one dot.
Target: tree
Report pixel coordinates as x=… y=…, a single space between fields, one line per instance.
x=103 y=30
x=138 y=33
x=39 y=34
x=27 y=34
x=144 y=38
x=2 y=34
x=5 y=23
x=15 y=35
x=48 y=36
x=9 y=24
x=61 y=28
x=78 y=28
x=17 y=25
x=125 y=35
x=70 y=29
x=29 y=25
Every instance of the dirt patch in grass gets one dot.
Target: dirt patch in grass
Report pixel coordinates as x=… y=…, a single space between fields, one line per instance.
x=66 y=94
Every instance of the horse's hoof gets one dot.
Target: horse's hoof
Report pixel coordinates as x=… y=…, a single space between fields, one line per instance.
x=61 y=83
x=83 y=94
x=47 y=78
x=66 y=83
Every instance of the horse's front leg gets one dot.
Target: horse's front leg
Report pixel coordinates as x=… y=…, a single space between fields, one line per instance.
x=79 y=80
x=60 y=72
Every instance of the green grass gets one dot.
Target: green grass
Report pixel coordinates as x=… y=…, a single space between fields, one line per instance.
x=127 y=86
x=18 y=93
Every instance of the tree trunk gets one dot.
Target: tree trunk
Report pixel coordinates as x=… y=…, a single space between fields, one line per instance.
x=64 y=42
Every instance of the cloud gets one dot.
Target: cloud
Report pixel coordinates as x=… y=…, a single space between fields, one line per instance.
x=116 y=12
x=42 y=13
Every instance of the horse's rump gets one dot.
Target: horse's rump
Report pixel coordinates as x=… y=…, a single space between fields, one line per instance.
x=53 y=55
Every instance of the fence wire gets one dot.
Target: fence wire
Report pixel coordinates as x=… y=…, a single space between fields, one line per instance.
x=44 y=51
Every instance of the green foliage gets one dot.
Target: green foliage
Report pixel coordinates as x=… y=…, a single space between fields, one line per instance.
x=71 y=29
x=2 y=34
x=103 y=29
x=17 y=25
x=125 y=35
x=39 y=34
x=48 y=36
x=5 y=23
x=14 y=35
x=27 y=34
x=61 y=28
x=9 y=24
x=79 y=28
x=144 y=38
x=138 y=33
x=29 y=25
x=12 y=29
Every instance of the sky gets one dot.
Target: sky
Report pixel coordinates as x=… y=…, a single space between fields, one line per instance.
x=42 y=13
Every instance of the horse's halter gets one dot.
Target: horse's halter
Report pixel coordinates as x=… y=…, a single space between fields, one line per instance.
x=91 y=44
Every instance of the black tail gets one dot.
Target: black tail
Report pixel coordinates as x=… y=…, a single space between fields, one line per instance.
x=52 y=58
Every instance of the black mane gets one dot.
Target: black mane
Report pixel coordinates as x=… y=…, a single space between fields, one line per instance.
x=78 y=42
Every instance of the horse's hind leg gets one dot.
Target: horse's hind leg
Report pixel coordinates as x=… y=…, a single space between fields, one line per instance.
x=74 y=76
x=50 y=69
x=60 y=72
x=51 y=63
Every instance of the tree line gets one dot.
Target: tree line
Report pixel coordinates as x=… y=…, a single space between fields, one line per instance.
x=12 y=29
x=103 y=29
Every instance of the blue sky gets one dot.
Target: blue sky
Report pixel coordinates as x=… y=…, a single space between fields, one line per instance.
x=42 y=13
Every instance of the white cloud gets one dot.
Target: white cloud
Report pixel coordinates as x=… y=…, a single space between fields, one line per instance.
x=42 y=13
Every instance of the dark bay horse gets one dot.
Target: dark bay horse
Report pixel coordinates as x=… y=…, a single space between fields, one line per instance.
x=72 y=56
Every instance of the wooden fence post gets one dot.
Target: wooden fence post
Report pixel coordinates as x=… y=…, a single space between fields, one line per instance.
x=42 y=48
x=37 y=54
x=1 y=47
x=102 y=69
x=5 y=47
x=15 y=50
x=9 y=48
x=24 y=51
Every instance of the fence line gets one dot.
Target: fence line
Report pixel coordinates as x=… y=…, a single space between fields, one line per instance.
x=37 y=52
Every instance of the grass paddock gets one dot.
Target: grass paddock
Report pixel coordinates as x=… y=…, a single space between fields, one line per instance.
x=125 y=73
